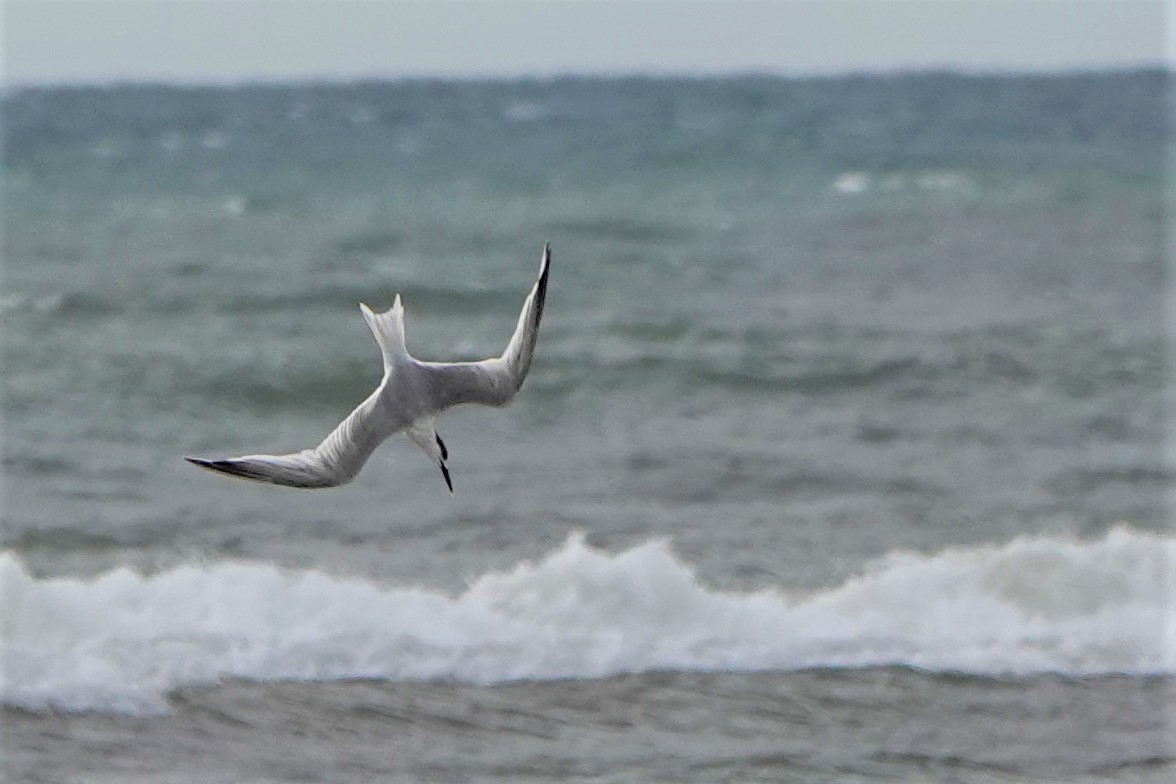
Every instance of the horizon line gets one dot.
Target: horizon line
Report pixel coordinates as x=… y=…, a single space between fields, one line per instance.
x=237 y=82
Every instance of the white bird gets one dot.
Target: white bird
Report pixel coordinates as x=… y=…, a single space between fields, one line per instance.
x=409 y=398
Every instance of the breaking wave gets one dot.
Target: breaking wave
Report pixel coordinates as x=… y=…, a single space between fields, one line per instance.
x=122 y=641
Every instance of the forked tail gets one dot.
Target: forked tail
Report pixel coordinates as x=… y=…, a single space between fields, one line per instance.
x=388 y=329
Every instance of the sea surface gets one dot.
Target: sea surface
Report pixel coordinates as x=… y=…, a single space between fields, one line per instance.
x=842 y=456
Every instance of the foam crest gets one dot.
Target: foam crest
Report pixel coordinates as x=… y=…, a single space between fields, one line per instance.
x=122 y=641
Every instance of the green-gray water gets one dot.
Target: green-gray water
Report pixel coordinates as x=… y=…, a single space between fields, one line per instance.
x=841 y=456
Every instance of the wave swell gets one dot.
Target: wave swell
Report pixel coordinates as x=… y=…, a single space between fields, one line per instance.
x=123 y=641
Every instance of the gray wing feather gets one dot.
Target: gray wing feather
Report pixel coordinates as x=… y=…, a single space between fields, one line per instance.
x=334 y=462
x=493 y=382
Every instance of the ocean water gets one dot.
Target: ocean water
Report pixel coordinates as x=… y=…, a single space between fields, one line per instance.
x=842 y=456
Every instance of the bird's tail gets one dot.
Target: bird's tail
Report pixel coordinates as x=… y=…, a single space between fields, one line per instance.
x=388 y=329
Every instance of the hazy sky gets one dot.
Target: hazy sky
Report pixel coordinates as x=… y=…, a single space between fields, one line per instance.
x=234 y=40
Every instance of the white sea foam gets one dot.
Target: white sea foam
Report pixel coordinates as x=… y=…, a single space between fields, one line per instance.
x=18 y=303
x=523 y=112
x=851 y=183
x=122 y=641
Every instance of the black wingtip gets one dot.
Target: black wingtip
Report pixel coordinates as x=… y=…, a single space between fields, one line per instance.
x=221 y=466
x=541 y=287
x=440 y=443
x=445 y=473
x=230 y=468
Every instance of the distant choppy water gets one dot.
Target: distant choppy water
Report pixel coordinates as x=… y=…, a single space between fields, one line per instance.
x=841 y=455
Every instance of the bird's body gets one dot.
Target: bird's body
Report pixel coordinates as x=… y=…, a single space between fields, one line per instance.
x=410 y=396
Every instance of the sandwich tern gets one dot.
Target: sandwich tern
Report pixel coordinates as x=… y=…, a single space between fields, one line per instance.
x=409 y=398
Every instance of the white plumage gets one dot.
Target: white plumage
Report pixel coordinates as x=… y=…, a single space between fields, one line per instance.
x=409 y=398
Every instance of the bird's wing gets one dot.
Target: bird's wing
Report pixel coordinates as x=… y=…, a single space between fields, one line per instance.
x=495 y=381
x=334 y=462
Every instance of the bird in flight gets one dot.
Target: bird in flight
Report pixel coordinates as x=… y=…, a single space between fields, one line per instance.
x=409 y=398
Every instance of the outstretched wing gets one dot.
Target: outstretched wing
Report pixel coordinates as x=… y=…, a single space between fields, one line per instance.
x=299 y=469
x=334 y=462
x=492 y=382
